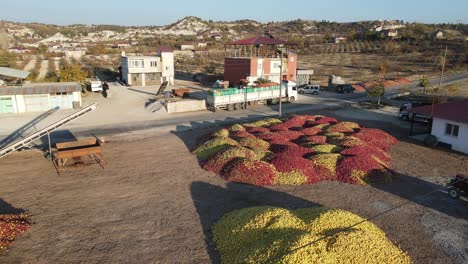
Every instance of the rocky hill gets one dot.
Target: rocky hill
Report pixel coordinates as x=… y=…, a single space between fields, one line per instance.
x=190 y=27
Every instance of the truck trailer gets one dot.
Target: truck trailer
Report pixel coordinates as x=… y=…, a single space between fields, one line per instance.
x=242 y=98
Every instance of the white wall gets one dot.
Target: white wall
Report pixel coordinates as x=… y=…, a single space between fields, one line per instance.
x=167 y=66
x=459 y=143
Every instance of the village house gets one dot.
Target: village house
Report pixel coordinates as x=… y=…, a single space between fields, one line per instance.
x=187 y=46
x=148 y=70
x=390 y=33
x=259 y=57
x=19 y=50
x=438 y=34
x=449 y=123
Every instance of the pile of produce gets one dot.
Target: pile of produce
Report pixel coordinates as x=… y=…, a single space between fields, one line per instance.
x=12 y=225
x=301 y=150
x=309 y=235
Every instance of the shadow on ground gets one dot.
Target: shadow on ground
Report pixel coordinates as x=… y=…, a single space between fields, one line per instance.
x=427 y=194
x=6 y=208
x=212 y=202
x=20 y=132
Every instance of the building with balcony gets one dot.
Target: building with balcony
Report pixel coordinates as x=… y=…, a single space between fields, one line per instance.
x=259 y=58
x=148 y=70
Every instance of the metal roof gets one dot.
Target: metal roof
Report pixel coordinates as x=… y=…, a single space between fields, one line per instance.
x=261 y=40
x=14 y=73
x=454 y=111
x=41 y=88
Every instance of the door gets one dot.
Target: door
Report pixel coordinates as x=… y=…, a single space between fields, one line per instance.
x=61 y=100
x=6 y=105
x=36 y=102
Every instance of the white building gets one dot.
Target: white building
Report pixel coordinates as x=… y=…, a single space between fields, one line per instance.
x=38 y=97
x=449 y=124
x=187 y=46
x=77 y=54
x=148 y=70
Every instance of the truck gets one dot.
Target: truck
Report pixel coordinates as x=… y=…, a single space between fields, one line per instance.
x=244 y=97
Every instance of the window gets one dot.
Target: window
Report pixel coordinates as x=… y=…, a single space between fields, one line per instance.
x=154 y=64
x=452 y=130
x=136 y=64
x=276 y=65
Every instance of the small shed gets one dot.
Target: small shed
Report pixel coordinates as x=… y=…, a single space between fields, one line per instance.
x=449 y=123
x=37 y=97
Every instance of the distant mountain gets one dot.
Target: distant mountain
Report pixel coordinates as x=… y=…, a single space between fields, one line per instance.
x=188 y=26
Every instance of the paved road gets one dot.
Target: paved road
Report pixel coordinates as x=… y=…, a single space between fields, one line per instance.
x=123 y=113
x=447 y=80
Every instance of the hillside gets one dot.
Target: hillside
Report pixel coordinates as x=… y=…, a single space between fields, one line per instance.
x=191 y=27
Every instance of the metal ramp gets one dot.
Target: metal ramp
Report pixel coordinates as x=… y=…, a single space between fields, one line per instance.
x=25 y=142
x=162 y=88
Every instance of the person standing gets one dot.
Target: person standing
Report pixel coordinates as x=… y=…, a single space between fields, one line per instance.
x=105 y=87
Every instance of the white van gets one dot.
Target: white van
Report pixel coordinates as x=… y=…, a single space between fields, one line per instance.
x=96 y=86
x=310 y=89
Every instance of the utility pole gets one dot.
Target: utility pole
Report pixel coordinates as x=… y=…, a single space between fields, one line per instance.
x=281 y=82
x=443 y=69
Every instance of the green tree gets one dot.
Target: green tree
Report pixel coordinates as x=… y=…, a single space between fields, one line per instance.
x=7 y=59
x=376 y=91
x=72 y=73
x=424 y=83
x=210 y=69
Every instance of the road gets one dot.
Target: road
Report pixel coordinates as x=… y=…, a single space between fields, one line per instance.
x=447 y=80
x=123 y=113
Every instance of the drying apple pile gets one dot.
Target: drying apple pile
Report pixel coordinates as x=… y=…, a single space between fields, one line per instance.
x=308 y=235
x=12 y=225
x=301 y=150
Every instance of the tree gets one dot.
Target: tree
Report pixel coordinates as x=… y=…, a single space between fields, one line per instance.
x=210 y=69
x=376 y=90
x=72 y=73
x=424 y=82
x=7 y=59
x=383 y=68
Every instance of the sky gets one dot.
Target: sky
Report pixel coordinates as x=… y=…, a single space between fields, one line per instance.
x=163 y=12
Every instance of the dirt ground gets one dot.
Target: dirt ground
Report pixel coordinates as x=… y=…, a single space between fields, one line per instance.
x=154 y=204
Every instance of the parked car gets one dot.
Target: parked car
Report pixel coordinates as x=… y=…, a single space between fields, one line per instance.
x=96 y=86
x=345 y=88
x=309 y=89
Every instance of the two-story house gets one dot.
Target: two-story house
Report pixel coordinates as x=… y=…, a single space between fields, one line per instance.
x=148 y=70
x=259 y=58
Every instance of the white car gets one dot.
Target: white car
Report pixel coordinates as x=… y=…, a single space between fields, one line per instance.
x=309 y=89
x=96 y=86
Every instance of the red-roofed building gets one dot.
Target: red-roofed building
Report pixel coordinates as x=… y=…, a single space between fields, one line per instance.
x=259 y=57
x=449 y=123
